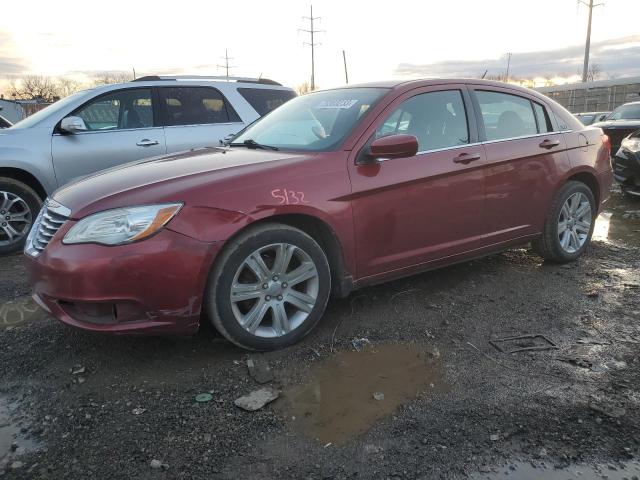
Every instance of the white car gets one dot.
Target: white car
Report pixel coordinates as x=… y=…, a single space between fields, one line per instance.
x=113 y=124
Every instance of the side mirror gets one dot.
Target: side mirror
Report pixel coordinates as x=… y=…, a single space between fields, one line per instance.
x=73 y=125
x=393 y=146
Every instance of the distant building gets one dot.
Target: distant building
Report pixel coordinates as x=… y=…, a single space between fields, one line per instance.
x=597 y=96
x=11 y=110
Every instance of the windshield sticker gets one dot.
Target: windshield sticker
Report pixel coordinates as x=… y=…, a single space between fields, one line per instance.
x=340 y=104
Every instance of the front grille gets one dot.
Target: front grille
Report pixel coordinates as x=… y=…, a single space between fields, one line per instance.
x=49 y=220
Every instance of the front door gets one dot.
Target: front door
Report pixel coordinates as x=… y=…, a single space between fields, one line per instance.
x=410 y=211
x=120 y=129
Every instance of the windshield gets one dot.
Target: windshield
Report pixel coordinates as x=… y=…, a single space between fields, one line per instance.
x=45 y=112
x=315 y=122
x=626 y=112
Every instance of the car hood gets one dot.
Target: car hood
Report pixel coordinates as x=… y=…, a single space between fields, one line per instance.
x=618 y=124
x=162 y=179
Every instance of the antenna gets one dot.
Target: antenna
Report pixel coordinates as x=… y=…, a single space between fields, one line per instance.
x=344 y=58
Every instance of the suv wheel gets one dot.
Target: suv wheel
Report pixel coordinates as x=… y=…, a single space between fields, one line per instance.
x=19 y=205
x=569 y=226
x=269 y=287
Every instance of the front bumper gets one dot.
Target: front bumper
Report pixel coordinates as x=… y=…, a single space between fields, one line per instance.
x=155 y=286
x=626 y=169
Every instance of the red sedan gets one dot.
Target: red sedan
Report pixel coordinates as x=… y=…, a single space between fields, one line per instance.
x=333 y=191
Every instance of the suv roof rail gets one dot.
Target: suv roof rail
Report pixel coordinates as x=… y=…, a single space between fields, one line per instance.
x=155 y=78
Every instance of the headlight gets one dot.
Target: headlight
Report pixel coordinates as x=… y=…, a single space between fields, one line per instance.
x=631 y=144
x=122 y=225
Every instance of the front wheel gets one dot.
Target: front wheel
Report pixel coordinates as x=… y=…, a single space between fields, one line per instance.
x=569 y=225
x=19 y=206
x=269 y=287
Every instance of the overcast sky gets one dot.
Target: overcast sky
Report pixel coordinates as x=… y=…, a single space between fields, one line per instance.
x=382 y=39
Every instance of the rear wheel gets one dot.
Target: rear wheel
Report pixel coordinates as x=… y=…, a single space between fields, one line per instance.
x=19 y=205
x=269 y=287
x=569 y=225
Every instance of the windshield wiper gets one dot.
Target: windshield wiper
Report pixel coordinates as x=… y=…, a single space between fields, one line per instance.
x=250 y=143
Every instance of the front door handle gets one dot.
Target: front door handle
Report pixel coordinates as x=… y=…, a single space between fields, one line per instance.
x=146 y=143
x=466 y=158
x=548 y=144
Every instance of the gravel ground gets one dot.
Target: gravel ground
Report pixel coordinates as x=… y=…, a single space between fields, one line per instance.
x=448 y=403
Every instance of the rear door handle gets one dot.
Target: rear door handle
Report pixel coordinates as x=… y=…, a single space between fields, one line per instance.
x=548 y=144
x=466 y=158
x=146 y=143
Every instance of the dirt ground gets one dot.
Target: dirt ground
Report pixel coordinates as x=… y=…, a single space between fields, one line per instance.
x=410 y=379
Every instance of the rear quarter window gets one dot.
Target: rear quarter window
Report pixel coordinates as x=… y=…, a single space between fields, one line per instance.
x=264 y=100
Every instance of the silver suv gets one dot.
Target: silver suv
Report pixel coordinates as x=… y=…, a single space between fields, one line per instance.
x=113 y=124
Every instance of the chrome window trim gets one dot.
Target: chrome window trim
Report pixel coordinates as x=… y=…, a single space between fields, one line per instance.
x=424 y=152
x=524 y=136
x=203 y=124
x=115 y=130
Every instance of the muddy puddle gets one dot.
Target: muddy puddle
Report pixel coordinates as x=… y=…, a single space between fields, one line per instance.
x=620 y=222
x=526 y=471
x=12 y=441
x=351 y=391
x=17 y=312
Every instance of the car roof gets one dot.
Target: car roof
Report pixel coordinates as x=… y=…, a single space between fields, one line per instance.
x=425 y=82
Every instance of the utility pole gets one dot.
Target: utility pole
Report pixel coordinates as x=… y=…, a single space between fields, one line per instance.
x=134 y=73
x=344 y=59
x=226 y=65
x=508 y=65
x=312 y=44
x=585 y=68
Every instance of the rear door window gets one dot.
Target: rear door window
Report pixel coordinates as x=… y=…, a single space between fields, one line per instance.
x=264 y=100
x=506 y=116
x=542 y=118
x=195 y=106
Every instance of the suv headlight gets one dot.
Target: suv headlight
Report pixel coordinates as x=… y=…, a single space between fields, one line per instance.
x=632 y=144
x=122 y=225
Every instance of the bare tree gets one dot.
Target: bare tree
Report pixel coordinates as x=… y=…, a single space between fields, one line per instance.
x=304 y=88
x=33 y=87
x=68 y=86
x=106 y=78
x=594 y=72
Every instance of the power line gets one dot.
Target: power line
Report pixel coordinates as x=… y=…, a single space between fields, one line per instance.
x=312 y=44
x=587 y=46
x=226 y=65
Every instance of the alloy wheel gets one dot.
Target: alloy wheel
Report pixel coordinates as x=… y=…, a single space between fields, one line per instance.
x=574 y=222
x=15 y=218
x=274 y=290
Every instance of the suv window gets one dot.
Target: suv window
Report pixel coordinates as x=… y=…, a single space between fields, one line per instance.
x=263 y=100
x=120 y=110
x=505 y=115
x=196 y=106
x=437 y=119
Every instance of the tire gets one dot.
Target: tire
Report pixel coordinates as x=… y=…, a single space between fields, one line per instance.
x=568 y=245
x=268 y=295
x=20 y=198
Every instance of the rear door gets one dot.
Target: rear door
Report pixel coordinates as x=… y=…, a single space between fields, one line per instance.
x=409 y=211
x=121 y=127
x=195 y=117
x=525 y=158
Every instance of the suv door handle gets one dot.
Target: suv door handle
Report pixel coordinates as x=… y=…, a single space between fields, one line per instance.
x=466 y=158
x=548 y=144
x=146 y=143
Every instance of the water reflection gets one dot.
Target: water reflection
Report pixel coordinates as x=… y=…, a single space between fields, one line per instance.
x=620 y=222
